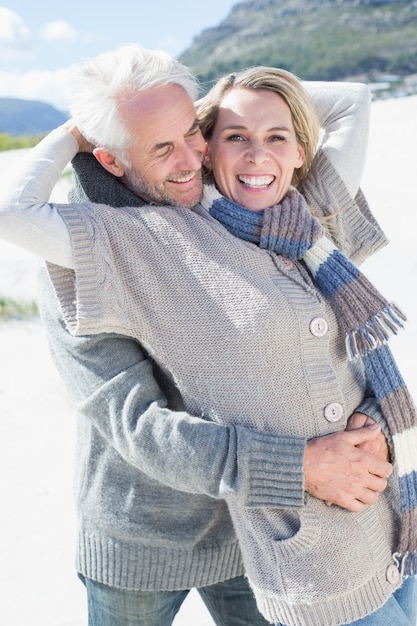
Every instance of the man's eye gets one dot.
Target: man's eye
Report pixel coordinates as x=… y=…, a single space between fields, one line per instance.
x=163 y=152
x=194 y=131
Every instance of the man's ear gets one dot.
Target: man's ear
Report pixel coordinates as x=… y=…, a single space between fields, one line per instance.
x=109 y=162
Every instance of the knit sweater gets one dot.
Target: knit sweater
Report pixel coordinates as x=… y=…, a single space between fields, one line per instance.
x=235 y=328
x=126 y=464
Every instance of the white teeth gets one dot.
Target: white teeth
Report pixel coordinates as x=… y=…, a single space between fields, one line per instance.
x=256 y=181
x=184 y=179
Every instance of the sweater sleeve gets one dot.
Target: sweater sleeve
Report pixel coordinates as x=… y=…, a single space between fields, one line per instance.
x=332 y=184
x=26 y=217
x=369 y=406
x=344 y=114
x=112 y=383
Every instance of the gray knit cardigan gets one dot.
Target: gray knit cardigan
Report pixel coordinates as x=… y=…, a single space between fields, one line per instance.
x=233 y=327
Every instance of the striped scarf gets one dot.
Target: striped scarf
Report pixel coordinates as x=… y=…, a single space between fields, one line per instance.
x=364 y=316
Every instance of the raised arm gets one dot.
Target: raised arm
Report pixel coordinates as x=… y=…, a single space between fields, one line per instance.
x=332 y=185
x=26 y=217
x=344 y=113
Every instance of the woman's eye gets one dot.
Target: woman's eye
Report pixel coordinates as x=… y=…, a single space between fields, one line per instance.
x=235 y=138
x=277 y=138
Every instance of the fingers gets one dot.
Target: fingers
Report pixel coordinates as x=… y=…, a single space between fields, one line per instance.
x=358 y=498
x=357 y=503
x=377 y=446
x=338 y=472
x=362 y=433
x=358 y=420
x=355 y=497
x=377 y=466
x=371 y=440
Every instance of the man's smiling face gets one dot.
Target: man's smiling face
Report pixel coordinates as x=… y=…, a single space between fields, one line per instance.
x=167 y=154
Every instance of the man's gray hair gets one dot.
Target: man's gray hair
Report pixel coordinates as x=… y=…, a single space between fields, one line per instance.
x=99 y=83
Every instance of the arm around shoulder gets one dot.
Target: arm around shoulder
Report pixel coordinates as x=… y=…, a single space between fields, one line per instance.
x=112 y=383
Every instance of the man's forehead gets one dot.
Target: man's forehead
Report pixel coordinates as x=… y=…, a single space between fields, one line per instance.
x=159 y=117
x=154 y=101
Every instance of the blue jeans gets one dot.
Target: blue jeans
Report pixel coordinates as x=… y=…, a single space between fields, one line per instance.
x=230 y=603
x=400 y=610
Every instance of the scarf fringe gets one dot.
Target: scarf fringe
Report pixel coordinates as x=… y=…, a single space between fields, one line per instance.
x=375 y=332
x=405 y=556
x=368 y=321
x=406 y=563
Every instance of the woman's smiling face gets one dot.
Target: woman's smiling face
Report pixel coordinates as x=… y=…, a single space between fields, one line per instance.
x=253 y=150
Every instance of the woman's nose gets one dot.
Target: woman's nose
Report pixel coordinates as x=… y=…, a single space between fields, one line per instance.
x=257 y=152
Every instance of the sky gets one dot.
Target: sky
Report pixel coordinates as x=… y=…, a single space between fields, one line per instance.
x=39 y=41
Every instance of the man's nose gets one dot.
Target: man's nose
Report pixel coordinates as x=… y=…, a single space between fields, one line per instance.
x=191 y=154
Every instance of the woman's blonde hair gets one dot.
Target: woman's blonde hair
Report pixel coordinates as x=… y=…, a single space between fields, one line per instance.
x=283 y=83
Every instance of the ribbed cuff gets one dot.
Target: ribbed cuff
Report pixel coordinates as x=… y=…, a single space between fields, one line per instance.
x=271 y=470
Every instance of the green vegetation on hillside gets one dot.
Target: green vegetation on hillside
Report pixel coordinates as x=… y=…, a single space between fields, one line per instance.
x=17 y=310
x=315 y=40
x=7 y=142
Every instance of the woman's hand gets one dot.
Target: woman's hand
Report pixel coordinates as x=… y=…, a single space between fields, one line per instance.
x=83 y=144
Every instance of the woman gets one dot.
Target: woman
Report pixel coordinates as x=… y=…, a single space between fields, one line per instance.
x=228 y=299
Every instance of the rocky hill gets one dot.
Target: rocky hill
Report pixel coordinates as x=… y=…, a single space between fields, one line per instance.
x=28 y=117
x=315 y=39
x=367 y=40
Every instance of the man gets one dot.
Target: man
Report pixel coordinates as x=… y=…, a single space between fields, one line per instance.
x=149 y=476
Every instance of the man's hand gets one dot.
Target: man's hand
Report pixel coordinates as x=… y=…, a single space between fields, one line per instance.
x=338 y=471
x=377 y=446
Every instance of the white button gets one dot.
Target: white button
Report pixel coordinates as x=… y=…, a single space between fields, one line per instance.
x=318 y=327
x=333 y=412
x=287 y=263
x=392 y=574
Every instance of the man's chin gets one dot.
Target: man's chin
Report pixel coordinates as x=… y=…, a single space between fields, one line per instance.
x=188 y=201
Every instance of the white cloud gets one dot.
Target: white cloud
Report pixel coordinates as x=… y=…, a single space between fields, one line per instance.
x=15 y=37
x=46 y=86
x=58 y=31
